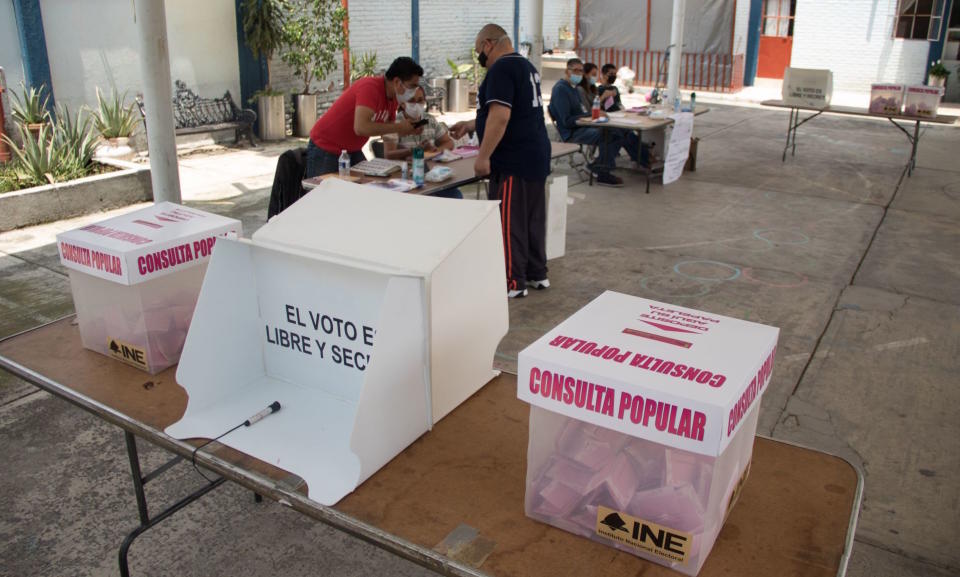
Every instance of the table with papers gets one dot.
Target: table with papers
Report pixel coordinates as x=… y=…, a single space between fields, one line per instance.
x=639 y=121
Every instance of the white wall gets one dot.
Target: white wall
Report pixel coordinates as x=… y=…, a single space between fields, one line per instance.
x=383 y=27
x=741 y=26
x=94 y=43
x=556 y=13
x=854 y=38
x=448 y=29
x=10 y=58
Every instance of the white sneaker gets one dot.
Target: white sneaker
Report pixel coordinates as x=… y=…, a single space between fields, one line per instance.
x=516 y=294
x=539 y=284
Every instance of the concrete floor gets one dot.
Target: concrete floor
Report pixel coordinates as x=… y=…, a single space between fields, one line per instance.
x=858 y=270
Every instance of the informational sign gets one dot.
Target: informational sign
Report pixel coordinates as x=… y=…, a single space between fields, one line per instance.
x=808 y=87
x=678 y=148
x=145 y=244
x=348 y=310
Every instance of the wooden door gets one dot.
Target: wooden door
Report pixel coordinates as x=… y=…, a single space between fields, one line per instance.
x=776 y=38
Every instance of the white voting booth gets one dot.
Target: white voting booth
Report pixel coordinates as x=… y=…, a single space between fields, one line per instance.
x=810 y=87
x=368 y=315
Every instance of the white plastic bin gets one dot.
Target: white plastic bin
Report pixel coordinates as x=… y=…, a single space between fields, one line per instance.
x=135 y=279
x=922 y=101
x=886 y=98
x=642 y=424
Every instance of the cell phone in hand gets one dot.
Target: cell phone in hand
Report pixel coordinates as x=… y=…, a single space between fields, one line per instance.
x=420 y=123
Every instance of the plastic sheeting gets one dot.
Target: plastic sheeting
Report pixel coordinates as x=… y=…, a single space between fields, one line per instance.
x=708 y=25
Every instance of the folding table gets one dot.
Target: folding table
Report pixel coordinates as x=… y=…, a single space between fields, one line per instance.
x=453 y=500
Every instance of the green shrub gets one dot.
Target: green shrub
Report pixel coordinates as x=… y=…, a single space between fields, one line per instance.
x=113 y=118
x=30 y=106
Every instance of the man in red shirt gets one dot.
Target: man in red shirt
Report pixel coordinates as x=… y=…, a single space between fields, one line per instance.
x=368 y=108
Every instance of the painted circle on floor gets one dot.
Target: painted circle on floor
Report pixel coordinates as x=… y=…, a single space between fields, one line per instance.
x=777 y=236
x=952 y=190
x=673 y=287
x=706 y=270
x=774 y=278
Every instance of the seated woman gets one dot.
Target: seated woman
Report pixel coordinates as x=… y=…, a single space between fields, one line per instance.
x=435 y=136
x=590 y=88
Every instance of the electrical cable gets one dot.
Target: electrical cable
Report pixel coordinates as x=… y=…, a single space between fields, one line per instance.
x=272 y=408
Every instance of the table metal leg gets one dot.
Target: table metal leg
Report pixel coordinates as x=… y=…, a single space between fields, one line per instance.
x=913 y=152
x=139 y=480
x=789 y=131
x=796 y=124
x=125 y=547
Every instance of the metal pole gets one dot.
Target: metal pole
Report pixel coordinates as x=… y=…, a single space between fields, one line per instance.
x=536 y=51
x=676 y=43
x=158 y=100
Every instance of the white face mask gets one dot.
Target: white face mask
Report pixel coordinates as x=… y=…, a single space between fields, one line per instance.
x=414 y=110
x=407 y=94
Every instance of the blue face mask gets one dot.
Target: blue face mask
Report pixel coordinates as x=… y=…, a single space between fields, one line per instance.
x=593 y=81
x=576 y=78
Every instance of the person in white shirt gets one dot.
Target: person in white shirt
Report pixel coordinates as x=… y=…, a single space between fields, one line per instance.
x=433 y=137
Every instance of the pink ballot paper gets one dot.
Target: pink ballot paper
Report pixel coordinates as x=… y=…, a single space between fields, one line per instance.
x=642 y=423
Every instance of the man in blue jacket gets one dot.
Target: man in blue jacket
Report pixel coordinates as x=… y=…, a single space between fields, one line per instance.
x=566 y=108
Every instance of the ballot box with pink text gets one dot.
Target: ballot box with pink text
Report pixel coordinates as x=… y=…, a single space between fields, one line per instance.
x=642 y=422
x=135 y=279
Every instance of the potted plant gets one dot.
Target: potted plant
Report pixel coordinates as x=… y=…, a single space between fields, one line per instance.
x=477 y=76
x=29 y=108
x=938 y=74
x=263 y=34
x=363 y=65
x=458 y=86
x=115 y=121
x=313 y=35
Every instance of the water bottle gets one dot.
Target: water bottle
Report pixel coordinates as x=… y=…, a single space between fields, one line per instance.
x=344 y=164
x=418 y=166
x=595 y=113
x=404 y=171
x=693 y=102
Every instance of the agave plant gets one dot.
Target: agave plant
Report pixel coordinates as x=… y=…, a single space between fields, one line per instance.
x=76 y=142
x=362 y=65
x=112 y=118
x=30 y=106
x=38 y=160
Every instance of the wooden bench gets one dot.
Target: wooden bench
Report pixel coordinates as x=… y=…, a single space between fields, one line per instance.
x=193 y=114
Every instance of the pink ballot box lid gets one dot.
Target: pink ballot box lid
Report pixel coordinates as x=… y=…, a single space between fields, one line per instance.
x=144 y=244
x=677 y=376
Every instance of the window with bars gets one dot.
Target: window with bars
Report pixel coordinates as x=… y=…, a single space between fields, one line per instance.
x=778 y=17
x=919 y=19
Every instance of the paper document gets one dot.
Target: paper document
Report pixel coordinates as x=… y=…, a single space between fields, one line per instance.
x=678 y=148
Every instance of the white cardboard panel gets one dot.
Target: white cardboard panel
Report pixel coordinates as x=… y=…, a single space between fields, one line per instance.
x=404 y=233
x=556 y=217
x=463 y=335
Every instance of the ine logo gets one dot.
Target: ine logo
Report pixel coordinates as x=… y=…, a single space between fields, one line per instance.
x=643 y=535
x=615 y=522
x=128 y=353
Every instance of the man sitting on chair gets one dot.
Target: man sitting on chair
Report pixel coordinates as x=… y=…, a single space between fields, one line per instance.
x=566 y=108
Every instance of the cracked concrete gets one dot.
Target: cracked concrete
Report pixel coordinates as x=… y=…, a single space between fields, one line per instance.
x=865 y=370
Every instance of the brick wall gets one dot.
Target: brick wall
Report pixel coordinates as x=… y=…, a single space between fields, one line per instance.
x=854 y=39
x=447 y=30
